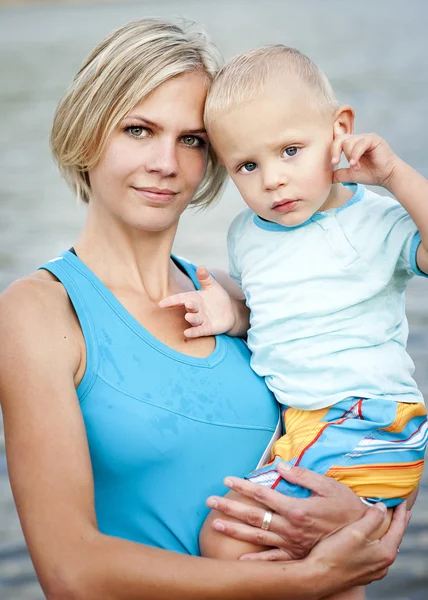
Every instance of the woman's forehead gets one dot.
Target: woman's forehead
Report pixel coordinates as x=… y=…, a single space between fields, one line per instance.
x=180 y=99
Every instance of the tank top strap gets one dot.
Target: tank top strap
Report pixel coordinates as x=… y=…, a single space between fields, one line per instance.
x=63 y=267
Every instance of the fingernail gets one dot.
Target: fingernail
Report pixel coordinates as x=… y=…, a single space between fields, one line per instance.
x=212 y=502
x=218 y=526
x=284 y=466
x=228 y=482
x=381 y=506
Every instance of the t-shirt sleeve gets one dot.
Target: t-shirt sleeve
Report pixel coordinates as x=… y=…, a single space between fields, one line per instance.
x=416 y=241
x=232 y=238
x=411 y=239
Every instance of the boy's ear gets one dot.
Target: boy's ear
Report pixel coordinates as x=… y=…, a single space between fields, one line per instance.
x=343 y=123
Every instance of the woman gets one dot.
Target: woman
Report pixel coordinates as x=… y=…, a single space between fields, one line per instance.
x=117 y=429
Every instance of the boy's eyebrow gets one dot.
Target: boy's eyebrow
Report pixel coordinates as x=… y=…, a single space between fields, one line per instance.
x=157 y=126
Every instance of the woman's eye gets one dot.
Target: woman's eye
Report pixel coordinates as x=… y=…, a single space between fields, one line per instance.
x=192 y=141
x=248 y=167
x=137 y=131
x=291 y=151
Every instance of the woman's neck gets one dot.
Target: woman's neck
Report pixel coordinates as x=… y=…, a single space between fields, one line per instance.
x=129 y=258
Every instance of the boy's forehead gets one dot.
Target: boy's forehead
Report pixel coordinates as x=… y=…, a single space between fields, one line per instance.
x=278 y=112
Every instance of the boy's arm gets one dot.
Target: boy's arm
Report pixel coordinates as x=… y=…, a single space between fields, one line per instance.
x=215 y=308
x=372 y=162
x=411 y=190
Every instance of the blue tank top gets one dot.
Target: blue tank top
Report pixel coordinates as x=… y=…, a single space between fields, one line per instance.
x=163 y=428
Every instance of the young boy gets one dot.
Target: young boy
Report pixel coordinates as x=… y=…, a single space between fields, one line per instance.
x=323 y=263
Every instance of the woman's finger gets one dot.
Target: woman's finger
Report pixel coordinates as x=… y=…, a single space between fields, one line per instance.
x=316 y=483
x=247 y=533
x=278 y=503
x=393 y=537
x=239 y=510
x=276 y=554
x=370 y=522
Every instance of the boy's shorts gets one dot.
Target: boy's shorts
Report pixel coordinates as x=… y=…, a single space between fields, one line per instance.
x=375 y=447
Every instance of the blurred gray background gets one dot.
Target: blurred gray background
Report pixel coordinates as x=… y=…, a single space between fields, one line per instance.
x=376 y=55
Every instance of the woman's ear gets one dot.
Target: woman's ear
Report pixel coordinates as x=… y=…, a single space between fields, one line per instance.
x=343 y=123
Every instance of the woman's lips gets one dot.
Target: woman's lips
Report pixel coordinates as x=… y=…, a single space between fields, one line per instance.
x=159 y=195
x=285 y=206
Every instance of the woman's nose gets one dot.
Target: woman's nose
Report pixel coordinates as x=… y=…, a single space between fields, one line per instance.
x=162 y=159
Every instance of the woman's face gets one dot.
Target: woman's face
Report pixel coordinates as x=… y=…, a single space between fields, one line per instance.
x=154 y=162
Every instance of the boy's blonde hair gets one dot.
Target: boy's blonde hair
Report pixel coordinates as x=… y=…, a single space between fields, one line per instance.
x=119 y=73
x=246 y=76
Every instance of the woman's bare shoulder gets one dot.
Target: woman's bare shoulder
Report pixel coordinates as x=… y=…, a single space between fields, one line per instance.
x=32 y=294
x=36 y=315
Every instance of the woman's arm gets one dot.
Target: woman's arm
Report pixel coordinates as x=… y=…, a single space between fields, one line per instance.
x=297 y=524
x=51 y=478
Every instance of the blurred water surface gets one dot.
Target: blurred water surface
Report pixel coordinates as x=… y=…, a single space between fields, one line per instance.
x=376 y=55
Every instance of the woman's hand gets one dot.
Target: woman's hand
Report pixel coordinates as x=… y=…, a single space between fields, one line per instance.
x=352 y=554
x=297 y=524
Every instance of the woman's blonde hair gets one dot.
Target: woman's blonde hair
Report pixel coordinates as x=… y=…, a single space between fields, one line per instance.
x=120 y=72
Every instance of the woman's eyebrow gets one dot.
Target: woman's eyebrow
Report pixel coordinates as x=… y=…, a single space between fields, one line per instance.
x=201 y=130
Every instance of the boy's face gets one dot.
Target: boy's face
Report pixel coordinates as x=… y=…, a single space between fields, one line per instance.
x=277 y=150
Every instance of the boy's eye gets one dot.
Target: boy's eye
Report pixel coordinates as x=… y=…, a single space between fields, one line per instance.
x=248 y=167
x=137 y=131
x=291 y=151
x=192 y=141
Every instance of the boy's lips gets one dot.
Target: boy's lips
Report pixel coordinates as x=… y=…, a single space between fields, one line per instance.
x=284 y=206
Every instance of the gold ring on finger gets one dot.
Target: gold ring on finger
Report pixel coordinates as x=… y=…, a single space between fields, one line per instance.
x=267 y=520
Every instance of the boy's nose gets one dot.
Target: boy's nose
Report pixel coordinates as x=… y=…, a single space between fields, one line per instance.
x=273 y=179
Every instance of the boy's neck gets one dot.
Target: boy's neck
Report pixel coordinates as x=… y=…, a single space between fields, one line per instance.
x=338 y=196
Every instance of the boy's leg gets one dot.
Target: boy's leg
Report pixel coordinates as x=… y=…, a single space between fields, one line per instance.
x=355 y=442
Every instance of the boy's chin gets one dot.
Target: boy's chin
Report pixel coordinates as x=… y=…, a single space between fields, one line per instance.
x=294 y=219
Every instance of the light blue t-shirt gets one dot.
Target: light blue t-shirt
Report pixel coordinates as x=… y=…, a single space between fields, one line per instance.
x=327 y=301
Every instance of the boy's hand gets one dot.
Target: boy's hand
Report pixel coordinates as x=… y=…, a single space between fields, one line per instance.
x=210 y=310
x=371 y=160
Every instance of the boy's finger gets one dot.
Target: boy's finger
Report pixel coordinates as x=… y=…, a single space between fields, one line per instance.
x=191 y=306
x=336 y=149
x=194 y=319
x=358 y=150
x=344 y=175
x=194 y=332
x=204 y=277
x=175 y=300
